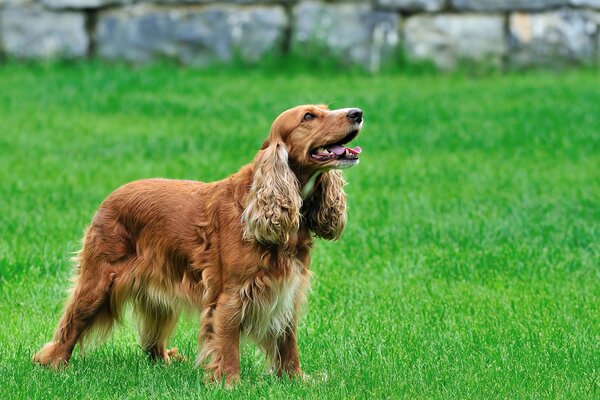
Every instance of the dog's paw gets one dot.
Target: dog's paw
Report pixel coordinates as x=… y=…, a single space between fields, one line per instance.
x=173 y=355
x=218 y=378
x=51 y=355
x=162 y=354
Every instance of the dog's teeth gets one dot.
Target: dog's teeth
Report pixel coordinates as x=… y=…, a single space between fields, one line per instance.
x=349 y=154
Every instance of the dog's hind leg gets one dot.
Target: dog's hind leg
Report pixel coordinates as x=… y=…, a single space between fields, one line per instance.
x=156 y=323
x=88 y=305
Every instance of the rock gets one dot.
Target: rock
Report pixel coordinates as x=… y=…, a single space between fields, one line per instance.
x=244 y=2
x=80 y=4
x=8 y=3
x=190 y=2
x=352 y=31
x=192 y=35
x=565 y=35
x=586 y=3
x=506 y=5
x=446 y=39
x=32 y=32
x=412 y=5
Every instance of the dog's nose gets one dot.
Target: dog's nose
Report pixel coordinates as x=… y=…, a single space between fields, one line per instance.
x=355 y=115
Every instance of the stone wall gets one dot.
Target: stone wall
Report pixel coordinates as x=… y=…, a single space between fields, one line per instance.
x=199 y=32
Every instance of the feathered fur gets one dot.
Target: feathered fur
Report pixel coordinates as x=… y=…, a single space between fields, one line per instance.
x=273 y=203
x=326 y=208
x=237 y=251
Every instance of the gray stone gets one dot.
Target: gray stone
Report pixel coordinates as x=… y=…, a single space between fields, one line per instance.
x=353 y=31
x=506 y=5
x=412 y=5
x=256 y=31
x=32 y=32
x=565 y=35
x=243 y=2
x=10 y=3
x=248 y=2
x=80 y=4
x=446 y=39
x=197 y=36
x=586 y=3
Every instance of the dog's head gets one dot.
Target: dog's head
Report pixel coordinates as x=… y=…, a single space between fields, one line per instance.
x=305 y=146
x=316 y=137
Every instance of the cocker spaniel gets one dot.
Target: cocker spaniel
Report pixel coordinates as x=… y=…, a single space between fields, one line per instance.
x=236 y=250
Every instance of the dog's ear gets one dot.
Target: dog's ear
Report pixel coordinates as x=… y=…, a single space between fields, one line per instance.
x=326 y=207
x=273 y=204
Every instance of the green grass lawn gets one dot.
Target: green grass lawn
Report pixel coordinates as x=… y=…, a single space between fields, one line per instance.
x=470 y=267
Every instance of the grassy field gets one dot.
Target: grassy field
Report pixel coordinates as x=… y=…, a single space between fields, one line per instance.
x=470 y=267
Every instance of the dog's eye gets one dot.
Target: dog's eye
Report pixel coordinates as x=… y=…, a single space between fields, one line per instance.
x=309 y=116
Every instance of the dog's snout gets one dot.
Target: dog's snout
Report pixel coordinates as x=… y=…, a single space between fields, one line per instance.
x=355 y=115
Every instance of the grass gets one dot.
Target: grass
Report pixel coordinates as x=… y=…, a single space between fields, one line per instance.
x=470 y=267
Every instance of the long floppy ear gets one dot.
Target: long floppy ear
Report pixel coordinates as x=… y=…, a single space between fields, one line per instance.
x=326 y=208
x=273 y=204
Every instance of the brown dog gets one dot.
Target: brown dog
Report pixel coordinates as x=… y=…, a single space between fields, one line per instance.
x=236 y=250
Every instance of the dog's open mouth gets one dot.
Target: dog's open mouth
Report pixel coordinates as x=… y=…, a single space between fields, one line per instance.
x=338 y=150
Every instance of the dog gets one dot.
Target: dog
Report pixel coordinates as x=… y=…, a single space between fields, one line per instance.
x=236 y=250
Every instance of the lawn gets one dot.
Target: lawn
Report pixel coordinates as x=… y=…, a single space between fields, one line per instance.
x=470 y=267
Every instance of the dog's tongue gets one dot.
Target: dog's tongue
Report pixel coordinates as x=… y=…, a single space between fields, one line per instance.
x=355 y=150
x=339 y=150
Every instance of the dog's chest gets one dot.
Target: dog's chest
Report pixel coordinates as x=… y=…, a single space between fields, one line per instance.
x=269 y=304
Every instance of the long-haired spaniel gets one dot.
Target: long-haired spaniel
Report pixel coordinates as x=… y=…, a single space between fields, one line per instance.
x=235 y=250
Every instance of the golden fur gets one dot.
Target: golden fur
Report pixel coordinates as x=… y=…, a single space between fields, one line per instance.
x=236 y=250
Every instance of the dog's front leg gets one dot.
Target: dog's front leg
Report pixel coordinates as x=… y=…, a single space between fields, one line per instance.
x=220 y=339
x=288 y=361
x=282 y=350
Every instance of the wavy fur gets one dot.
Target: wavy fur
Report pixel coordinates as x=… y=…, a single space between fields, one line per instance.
x=273 y=205
x=326 y=208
